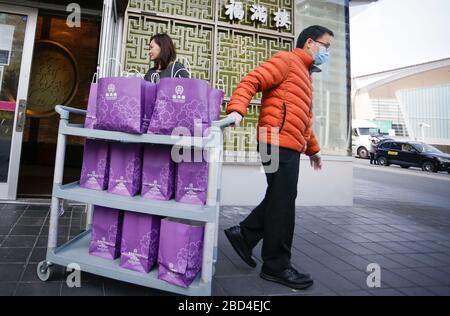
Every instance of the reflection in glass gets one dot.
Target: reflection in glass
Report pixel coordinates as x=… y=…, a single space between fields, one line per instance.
x=12 y=34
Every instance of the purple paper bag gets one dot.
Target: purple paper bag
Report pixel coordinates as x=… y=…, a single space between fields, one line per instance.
x=95 y=168
x=125 y=169
x=180 y=252
x=215 y=106
x=140 y=239
x=158 y=172
x=179 y=103
x=121 y=104
x=91 y=114
x=150 y=97
x=215 y=103
x=191 y=181
x=106 y=232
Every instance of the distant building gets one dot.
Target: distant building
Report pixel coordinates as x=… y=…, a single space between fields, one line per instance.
x=415 y=100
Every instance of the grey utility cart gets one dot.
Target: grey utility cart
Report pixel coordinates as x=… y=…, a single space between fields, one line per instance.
x=76 y=251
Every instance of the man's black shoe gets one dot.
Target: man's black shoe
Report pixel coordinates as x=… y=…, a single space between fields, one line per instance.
x=239 y=245
x=289 y=277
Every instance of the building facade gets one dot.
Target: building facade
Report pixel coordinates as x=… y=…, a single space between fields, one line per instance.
x=414 y=99
x=221 y=41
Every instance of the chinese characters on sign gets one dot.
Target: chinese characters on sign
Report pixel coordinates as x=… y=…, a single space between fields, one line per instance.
x=282 y=18
x=235 y=10
x=259 y=13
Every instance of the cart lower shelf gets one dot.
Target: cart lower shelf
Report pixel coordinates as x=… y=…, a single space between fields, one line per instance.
x=77 y=251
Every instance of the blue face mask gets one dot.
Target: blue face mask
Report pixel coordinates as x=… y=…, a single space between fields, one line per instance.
x=322 y=56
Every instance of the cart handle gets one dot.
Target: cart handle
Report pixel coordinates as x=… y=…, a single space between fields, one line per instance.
x=225 y=122
x=64 y=111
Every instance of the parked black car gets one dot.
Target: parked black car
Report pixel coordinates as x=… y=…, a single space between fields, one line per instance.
x=412 y=154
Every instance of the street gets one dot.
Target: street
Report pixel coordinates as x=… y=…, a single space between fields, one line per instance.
x=412 y=187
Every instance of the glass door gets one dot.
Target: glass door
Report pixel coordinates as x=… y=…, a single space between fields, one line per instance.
x=17 y=33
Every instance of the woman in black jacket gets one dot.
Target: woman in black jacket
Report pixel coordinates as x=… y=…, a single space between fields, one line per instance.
x=163 y=54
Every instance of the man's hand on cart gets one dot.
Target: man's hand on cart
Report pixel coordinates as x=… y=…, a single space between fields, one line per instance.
x=237 y=118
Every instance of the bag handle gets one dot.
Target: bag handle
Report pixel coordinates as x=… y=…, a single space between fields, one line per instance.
x=117 y=62
x=131 y=71
x=218 y=84
x=155 y=76
x=186 y=62
x=95 y=76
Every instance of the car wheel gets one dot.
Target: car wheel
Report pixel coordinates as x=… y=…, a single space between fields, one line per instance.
x=382 y=161
x=363 y=153
x=428 y=166
x=405 y=167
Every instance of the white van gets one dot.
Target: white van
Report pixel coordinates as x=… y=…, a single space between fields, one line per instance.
x=362 y=132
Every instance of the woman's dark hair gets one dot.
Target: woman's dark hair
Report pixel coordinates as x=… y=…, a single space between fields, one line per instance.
x=314 y=32
x=168 y=53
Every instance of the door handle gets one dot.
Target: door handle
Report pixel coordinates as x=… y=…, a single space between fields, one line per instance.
x=21 y=116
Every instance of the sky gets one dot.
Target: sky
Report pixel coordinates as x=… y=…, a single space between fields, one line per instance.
x=390 y=34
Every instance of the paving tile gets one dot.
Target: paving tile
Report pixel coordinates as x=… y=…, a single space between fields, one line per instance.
x=19 y=241
x=376 y=248
x=30 y=221
x=93 y=288
x=356 y=249
x=358 y=262
x=38 y=254
x=417 y=277
x=386 y=292
x=242 y=285
x=435 y=274
x=7 y=288
x=218 y=290
x=14 y=255
x=427 y=260
x=5 y=229
x=407 y=260
x=415 y=291
x=336 y=282
x=384 y=262
x=38 y=289
x=357 y=277
x=356 y=293
x=35 y=213
x=336 y=264
x=440 y=290
x=10 y=272
x=26 y=230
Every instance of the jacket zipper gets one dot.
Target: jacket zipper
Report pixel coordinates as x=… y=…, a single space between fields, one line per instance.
x=306 y=128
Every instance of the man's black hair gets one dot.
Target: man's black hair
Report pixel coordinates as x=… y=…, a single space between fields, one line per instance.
x=314 y=32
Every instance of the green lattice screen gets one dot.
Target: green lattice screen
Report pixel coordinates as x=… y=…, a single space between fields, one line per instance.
x=241 y=46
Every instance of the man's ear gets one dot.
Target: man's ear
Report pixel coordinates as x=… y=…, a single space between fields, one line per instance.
x=307 y=43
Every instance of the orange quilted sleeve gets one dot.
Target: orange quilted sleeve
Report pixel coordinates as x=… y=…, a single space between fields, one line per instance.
x=266 y=76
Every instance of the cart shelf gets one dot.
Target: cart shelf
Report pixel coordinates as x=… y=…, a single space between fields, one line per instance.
x=171 y=208
x=77 y=251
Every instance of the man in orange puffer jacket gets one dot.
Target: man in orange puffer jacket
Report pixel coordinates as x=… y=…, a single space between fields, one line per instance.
x=285 y=131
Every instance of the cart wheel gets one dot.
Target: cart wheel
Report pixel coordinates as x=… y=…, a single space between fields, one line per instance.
x=44 y=270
